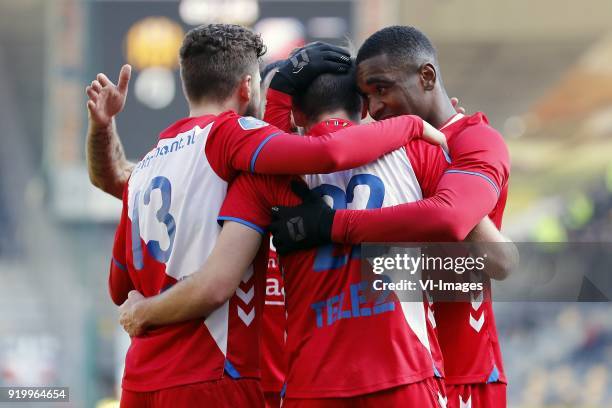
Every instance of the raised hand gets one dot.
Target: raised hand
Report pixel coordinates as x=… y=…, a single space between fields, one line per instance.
x=105 y=99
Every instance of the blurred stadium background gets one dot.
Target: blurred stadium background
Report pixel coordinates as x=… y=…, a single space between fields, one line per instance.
x=542 y=71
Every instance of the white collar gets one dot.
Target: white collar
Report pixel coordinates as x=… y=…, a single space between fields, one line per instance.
x=455 y=118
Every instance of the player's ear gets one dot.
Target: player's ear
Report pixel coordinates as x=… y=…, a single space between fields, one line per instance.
x=244 y=88
x=428 y=76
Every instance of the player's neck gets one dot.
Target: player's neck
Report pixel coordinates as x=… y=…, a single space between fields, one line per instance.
x=208 y=107
x=339 y=114
x=442 y=112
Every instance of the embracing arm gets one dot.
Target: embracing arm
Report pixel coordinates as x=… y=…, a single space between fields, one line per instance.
x=346 y=149
x=501 y=253
x=204 y=291
x=467 y=192
x=448 y=216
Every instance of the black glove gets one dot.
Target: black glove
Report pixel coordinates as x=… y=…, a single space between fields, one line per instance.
x=298 y=71
x=306 y=226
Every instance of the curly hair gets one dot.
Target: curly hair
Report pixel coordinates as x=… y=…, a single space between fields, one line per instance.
x=215 y=56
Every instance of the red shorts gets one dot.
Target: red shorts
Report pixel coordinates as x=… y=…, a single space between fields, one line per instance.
x=423 y=394
x=221 y=393
x=491 y=395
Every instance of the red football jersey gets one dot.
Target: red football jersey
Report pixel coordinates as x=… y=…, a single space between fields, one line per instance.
x=278 y=113
x=328 y=307
x=328 y=313
x=466 y=331
x=167 y=230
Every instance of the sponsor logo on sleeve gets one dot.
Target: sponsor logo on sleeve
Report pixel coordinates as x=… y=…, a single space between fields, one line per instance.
x=251 y=123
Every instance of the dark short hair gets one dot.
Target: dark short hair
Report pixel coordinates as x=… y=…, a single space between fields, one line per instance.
x=215 y=56
x=330 y=92
x=406 y=46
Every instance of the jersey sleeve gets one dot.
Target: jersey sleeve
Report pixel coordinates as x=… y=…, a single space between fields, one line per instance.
x=250 y=198
x=480 y=151
x=234 y=143
x=278 y=110
x=119 y=281
x=468 y=191
x=239 y=143
x=348 y=148
x=429 y=163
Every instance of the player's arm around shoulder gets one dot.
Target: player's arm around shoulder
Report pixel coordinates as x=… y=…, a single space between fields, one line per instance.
x=204 y=291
